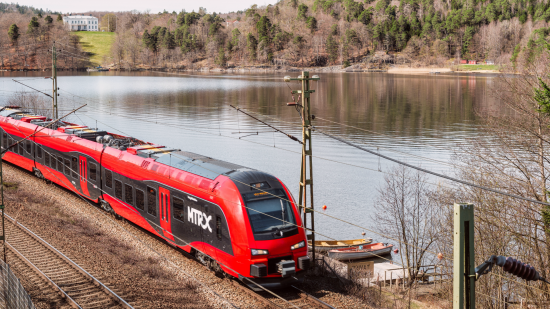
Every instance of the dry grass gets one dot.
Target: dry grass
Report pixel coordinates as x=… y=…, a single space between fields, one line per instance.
x=98 y=251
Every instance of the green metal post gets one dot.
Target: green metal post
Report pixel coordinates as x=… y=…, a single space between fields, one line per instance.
x=464 y=257
x=3 y=236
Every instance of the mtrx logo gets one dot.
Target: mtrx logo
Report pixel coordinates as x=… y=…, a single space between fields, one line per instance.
x=199 y=218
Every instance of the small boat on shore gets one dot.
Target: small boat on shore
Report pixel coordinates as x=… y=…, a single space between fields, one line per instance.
x=361 y=252
x=327 y=245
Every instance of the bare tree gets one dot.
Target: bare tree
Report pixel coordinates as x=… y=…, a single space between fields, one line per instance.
x=405 y=211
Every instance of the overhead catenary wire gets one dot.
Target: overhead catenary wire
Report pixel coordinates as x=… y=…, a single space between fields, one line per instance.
x=287 y=200
x=133 y=236
x=340 y=219
x=431 y=172
x=70 y=169
x=193 y=129
x=32 y=88
x=288 y=135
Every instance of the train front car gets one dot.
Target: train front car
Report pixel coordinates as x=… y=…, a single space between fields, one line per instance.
x=271 y=246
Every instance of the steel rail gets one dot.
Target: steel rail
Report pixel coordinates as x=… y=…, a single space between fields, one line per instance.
x=75 y=266
x=43 y=275
x=314 y=299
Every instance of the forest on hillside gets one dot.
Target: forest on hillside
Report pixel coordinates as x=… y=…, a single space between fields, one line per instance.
x=333 y=32
x=27 y=35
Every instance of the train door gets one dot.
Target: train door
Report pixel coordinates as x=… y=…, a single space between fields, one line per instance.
x=83 y=172
x=164 y=212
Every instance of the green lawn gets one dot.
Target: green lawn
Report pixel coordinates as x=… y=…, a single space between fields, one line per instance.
x=96 y=43
x=474 y=67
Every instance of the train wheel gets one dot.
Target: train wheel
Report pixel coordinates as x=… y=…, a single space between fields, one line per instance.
x=107 y=207
x=38 y=173
x=203 y=258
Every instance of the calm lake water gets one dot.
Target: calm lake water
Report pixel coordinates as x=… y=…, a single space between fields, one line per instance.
x=418 y=119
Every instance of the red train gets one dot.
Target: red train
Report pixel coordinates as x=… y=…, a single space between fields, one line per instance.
x=228 y=216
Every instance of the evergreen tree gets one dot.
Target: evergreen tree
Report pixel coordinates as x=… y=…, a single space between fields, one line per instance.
x=48 y=19
x=33 y=24
x=59 y=17
x=235 y=37
x=302 y=11
x=13 y=33
x=333 y=30
x=264 y=29
x=366 y=16
x=332 y=49
x=221 y=60
x=251 y=46
x=149 y=41
x=281 y=39
x=311 y=24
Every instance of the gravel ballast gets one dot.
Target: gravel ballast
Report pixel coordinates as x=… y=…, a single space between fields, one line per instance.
x=140 y=267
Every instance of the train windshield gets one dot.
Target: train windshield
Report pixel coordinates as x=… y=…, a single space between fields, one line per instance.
x=270 y=213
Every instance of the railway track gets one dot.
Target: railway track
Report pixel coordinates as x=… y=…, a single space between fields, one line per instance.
x=293 y=298
x=77 y=287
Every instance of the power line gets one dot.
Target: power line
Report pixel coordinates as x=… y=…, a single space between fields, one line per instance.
x=81 y=197
x=33 y=88
x=288 y=200
x=432 y=173
x=69 y=168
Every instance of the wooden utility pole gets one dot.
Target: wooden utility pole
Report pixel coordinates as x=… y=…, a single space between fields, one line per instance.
x=464 y=274
x=54 y=82
x=306 y=169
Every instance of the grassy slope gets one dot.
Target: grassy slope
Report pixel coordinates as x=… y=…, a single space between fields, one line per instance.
x=97 y=43
x=475 y=67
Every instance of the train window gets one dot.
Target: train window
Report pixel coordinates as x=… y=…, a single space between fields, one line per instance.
x=151 y=201
x=28 y=145
x=46 y=158
x=118 y=189
x=219 y=227
x=20 y=148
x=60 y=164
x=10 y=142
x=5 y=140
x=129 y=194
x=74 y=167
x=109 y=179
x=140 y=199
x=93 y=171
x=67 y=167
x=178 y=209
x=39 y=152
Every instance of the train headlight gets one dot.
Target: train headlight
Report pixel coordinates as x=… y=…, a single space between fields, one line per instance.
x=301 y=244
x=259 y=252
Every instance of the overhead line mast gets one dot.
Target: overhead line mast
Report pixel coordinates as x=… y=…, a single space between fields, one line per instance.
x=306 y=169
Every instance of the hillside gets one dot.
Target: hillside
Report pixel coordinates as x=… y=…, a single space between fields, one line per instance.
x=321 y=32
x=96 y=44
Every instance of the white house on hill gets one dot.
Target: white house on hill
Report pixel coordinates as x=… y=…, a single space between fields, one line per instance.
x=81 y=23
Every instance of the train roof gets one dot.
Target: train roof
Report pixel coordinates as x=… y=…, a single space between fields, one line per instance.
x=197 y=164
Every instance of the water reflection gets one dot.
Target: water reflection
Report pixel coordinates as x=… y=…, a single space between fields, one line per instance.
x=424 y=115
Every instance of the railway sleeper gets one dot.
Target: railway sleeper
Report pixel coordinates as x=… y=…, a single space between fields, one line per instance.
x=81 y=285
x=85 y=294
x=56 y=268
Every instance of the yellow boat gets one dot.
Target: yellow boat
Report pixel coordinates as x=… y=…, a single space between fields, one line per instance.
x=326 y=245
